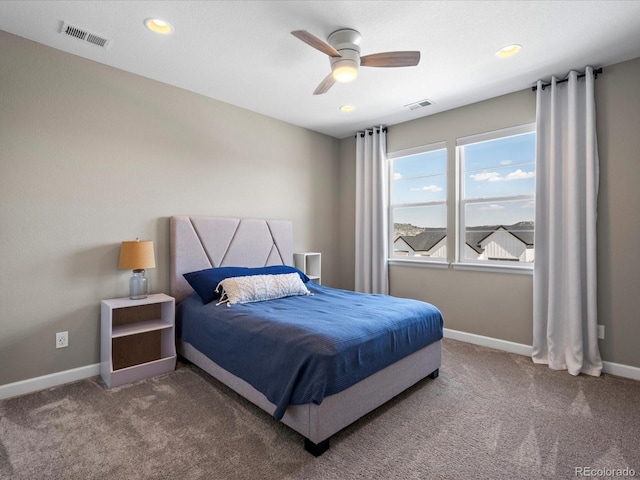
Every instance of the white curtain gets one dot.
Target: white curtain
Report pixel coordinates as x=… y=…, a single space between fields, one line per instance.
x=371 y=275
x=565 y=288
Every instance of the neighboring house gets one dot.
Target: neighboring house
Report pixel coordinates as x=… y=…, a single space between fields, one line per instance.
x=429 y=243
x=507 y=243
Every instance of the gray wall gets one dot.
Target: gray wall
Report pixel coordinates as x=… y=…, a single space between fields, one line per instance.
x=500 y=305
x=347 y=212
x=618 y=122
x=91 y=156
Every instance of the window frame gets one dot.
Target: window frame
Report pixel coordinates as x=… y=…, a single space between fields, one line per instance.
x=409 y=152
x=461 y=203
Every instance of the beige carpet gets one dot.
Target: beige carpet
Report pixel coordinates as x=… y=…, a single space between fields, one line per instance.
x=490 y=415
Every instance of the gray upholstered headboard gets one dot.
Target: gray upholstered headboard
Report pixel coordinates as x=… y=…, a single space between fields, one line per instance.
x=203 y=242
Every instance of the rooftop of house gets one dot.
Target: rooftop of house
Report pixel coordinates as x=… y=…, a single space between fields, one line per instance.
x=429 y=237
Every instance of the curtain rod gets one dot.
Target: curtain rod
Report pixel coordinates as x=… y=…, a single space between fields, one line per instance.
x=544 y=85
x=370 y=130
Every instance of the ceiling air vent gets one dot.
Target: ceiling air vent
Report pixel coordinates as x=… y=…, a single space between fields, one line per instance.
x=84 y=35
x=420 y=104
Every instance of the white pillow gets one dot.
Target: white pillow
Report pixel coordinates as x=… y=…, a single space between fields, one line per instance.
x=256 y=288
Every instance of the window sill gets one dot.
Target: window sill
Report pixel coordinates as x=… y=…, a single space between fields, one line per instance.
x=417 y=263
x=477 y=267
x=519 y=270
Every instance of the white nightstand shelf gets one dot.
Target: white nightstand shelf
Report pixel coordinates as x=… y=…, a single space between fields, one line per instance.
x=310 y=263
x=137 y=338
x=142 y=327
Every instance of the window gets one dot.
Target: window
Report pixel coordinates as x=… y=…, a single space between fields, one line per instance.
x=496 y=197
x=418 y=203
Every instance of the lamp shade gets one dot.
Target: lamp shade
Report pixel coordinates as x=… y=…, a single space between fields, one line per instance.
x=137 y=255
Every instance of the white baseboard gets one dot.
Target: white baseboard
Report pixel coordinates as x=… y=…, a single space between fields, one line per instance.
x=59 y=378
x=611 y=368
x=490 y=342
x=48 y=381
x=621 y=370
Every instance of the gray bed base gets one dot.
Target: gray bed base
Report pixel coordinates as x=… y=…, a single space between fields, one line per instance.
x=203 y=242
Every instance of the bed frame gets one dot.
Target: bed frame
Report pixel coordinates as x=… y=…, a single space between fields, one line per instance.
x=200 y=242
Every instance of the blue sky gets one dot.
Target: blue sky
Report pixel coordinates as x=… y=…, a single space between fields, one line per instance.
x=503 y=167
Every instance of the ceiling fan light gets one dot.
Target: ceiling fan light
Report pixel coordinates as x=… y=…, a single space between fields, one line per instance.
x=344 y=72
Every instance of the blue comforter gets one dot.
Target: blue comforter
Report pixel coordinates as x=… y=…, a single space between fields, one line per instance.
x=297 y=350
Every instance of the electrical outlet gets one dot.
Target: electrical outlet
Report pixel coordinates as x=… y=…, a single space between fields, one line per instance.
x=601 y=332
x=62 y=339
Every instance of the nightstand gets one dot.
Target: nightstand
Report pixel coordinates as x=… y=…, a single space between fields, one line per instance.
x=137 y=338
x=310 y=264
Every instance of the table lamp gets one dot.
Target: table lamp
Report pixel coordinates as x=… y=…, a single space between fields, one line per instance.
x=137 y=255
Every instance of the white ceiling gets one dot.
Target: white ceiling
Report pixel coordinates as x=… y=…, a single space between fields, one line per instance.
x=242 y=52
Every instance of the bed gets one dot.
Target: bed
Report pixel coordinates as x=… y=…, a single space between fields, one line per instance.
x=199 y=243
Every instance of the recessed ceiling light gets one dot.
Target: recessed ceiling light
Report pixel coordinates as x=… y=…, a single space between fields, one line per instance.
x=158 y=26
x=347 y=108
x=508 y=51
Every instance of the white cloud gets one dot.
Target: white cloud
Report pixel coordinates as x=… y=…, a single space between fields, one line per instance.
x=496 y=177
x=397 y=176
x=520 y=175
x=493 y=206
x=430 y=188
x=506 y=162
x=491 y=176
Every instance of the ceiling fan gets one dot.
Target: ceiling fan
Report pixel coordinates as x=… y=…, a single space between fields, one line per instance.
x=343 y=48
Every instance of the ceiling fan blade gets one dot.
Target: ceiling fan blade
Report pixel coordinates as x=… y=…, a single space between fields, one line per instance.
x=325 y=85
x=316 y=43
x=391 y=59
